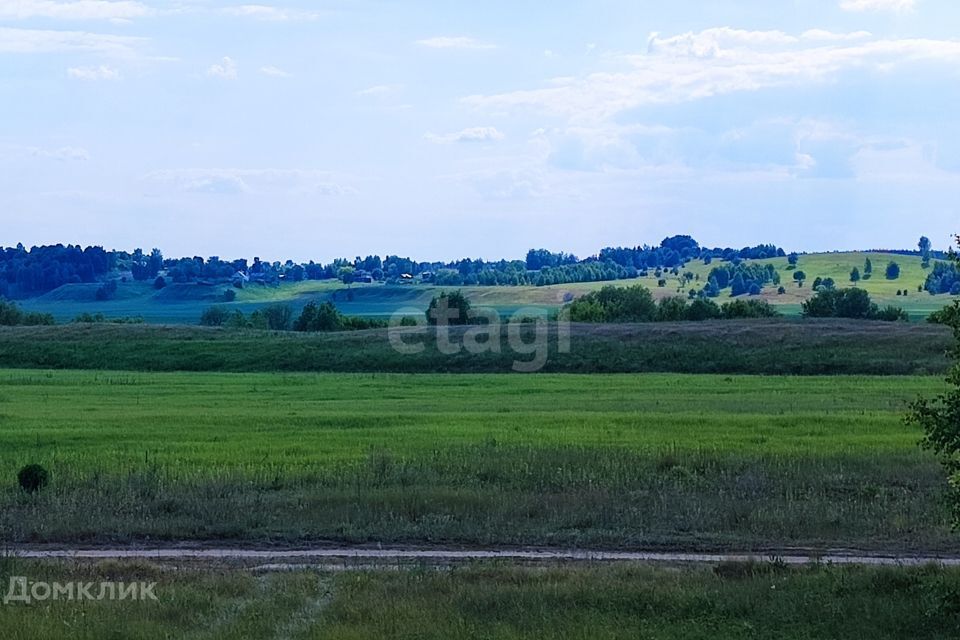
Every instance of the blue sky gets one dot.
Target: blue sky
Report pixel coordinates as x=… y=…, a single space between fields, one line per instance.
x=314 y=130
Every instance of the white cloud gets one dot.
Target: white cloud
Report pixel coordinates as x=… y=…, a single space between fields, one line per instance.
x=831 y=36
x=226 y=69
x=61 y=153
x=78 y=10
x=274 y=72
x=250 y=181
x=103 y=72
x=379 y=91
x=41 y=41
x=472 y=134
x=694 y=66
x=878 y=5
x=455 y=42
x=270 y=13
x=505 y=184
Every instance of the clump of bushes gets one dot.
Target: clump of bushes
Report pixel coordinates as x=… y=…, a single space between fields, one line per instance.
x=98 y=318
x=33 y=478
x=949 y=316
x=454 y=302
x=849 y=303
x=11 y=315
x=636 y=304
x=326 y=317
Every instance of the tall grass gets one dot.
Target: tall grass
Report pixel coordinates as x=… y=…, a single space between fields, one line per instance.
x=492 y=601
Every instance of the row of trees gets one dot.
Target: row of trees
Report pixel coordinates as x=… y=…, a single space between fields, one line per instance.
x=848 y=303
x=11 y=315
x=676 y=251
x=943 y=278
x=279 y=317
x=26 y=273
x=636 y=304
x=741 y=278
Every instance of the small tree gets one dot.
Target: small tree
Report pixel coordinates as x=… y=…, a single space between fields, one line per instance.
x=800 y=277
x=214 y=317
x=893 y=271
x=925 y=251
x=855 y=275
x=454 y=308
x=278 y=317
x=792 y=259
x=939 y=418
x=867 y=269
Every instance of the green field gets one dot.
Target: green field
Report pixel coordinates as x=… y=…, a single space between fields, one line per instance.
x=183 y=303
x=777 y=346
x=493 y=602
x=614 y=461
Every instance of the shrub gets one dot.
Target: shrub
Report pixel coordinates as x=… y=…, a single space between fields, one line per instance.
x=893 y=271
x=107 y=291
x=322 y=317
x=214 y=317
x=890 y=313
x=703 y=309
x=848 y=303
x=672 y=309
x=159 y=283
x=229 y=295
x=457 y=305
x=278 y=316
x=33 y=478
x=12 y=315
x=748 y=309
x=615 y=304
x=949 y=316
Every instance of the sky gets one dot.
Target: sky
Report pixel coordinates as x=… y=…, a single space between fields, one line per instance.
x=441 y=129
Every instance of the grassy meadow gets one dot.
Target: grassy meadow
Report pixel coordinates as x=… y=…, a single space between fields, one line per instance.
x=496 y=602
x=777 y=346
x=183 y=303
x=611 y=461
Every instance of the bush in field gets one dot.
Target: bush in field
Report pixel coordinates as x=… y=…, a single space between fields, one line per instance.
x=278 y=316
x=322 y=317
x=615 y=304
x=326 y=317
x=891 y=313
x=107 y=291
x=940 y=417
x=12 y=315
x=455 y=303
x=703 y=309
x=949 y=316
x=672 y=309
x=33 y=478
x=214 y=317
x=848 y=303
x=229 y=295
x=893 y=271
x=748 y=309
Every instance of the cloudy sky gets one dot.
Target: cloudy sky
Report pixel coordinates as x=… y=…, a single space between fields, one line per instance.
x=436 y=129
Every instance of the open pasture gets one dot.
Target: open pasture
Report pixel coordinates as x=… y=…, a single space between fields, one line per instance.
x=622 y=461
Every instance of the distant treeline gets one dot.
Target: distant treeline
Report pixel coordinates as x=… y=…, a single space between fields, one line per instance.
x=26 y=273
